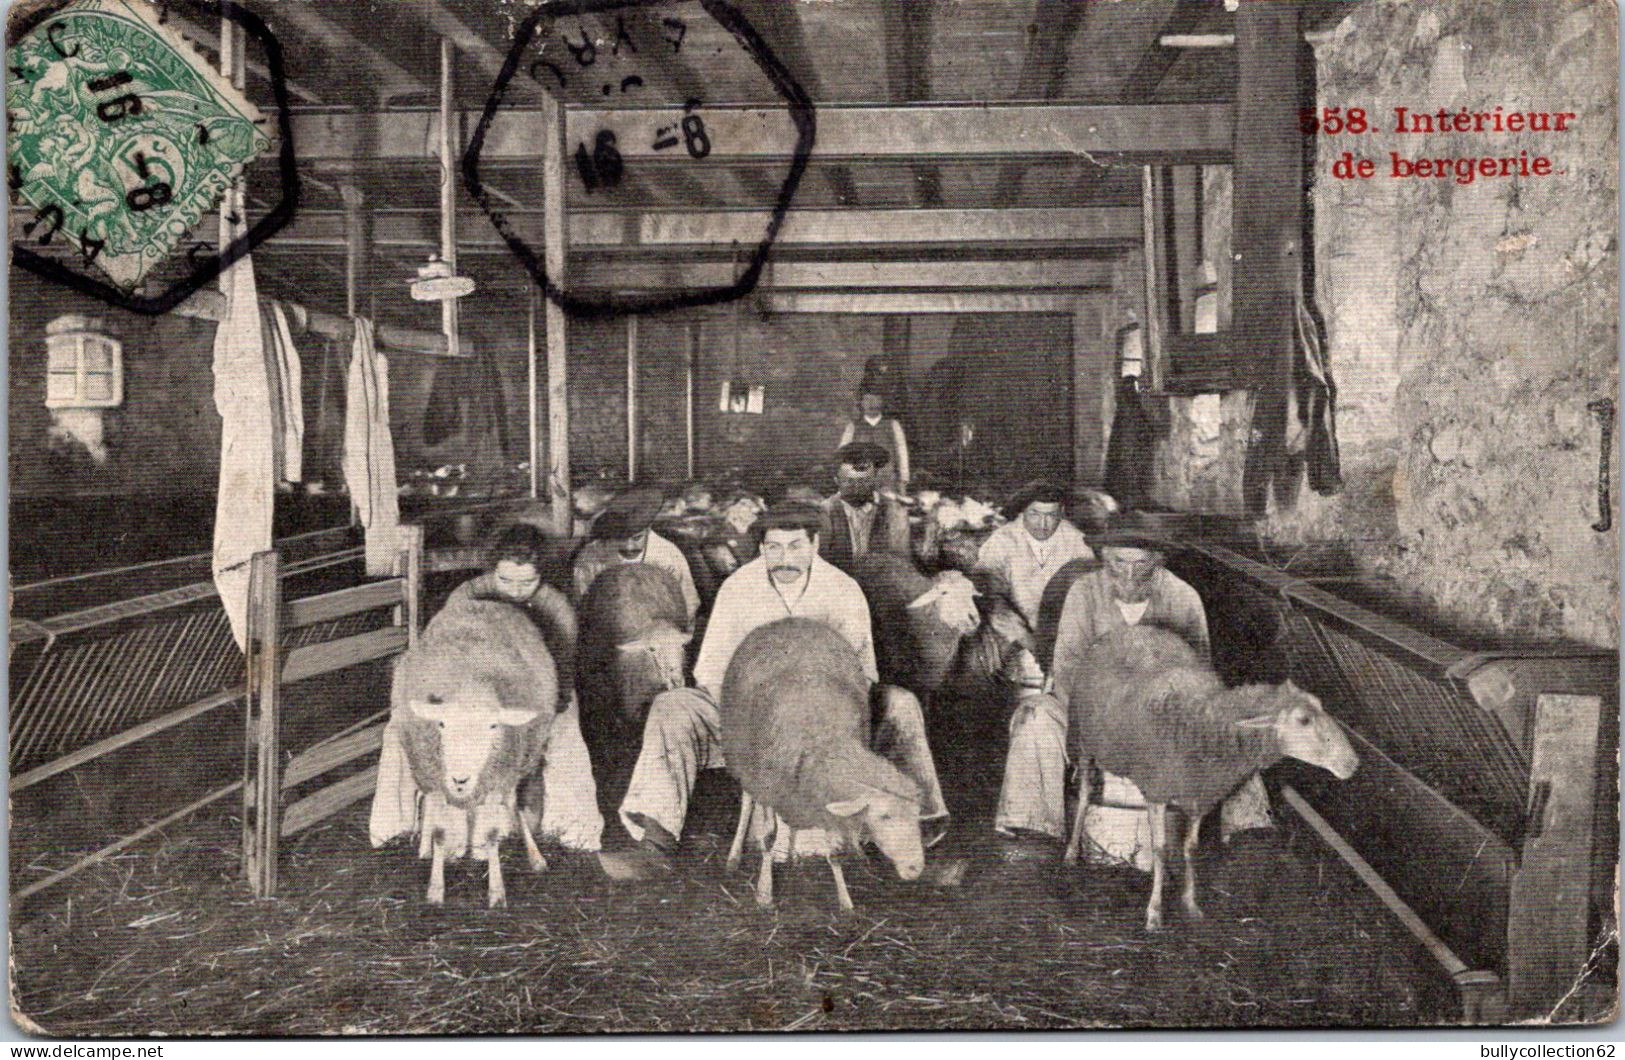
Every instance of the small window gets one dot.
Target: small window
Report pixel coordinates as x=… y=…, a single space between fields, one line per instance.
x=84 y=368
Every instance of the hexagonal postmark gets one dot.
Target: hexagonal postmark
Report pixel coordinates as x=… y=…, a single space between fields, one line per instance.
x=680 y=130
x=121 y=136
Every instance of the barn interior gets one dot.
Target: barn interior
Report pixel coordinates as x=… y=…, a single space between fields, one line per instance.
x=999 y=209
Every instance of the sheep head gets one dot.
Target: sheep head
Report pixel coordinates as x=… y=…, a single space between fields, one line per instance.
x=892 y=821
x=650 y=664
x=953 y=596
x=471 y=728
x=1306 y=732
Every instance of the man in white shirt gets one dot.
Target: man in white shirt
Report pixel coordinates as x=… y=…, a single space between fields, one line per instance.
x=621 y=534
x=1037 y=542
x=683 y=732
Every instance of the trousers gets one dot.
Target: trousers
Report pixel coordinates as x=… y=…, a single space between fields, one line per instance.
x=683 y=735
x=1033 y=796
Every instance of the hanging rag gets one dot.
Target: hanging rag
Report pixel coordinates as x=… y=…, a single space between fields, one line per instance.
x=1129 y=449
x=369 y=450
x=284 y=364
x=1308 y=435
x=246 y=496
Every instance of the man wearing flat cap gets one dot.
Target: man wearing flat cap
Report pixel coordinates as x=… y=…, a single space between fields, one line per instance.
x=621 y=534
x=1038 y=541
x=1131 y=588
x=683 y=733
x=862 y=519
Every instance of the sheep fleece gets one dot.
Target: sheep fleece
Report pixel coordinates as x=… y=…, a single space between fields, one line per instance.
x=795 y=724
x=486 y=643
x=1156 y=713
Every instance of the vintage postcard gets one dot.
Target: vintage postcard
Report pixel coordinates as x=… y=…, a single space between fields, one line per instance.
x=602 y=516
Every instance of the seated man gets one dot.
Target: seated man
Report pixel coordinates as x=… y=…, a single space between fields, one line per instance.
x=621 y=534
x=683 y=733
x=1038 y=541
x=569 y=795
x=862 y=520
x=1131 y=587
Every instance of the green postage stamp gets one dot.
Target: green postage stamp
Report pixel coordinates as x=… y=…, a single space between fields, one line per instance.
x=121 y=136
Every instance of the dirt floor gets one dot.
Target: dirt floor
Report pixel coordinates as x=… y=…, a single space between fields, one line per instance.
x=164 y=939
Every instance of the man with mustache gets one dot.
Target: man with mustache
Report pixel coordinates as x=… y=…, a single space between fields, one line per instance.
x=861 y=518
x=622 y=534
x=1131 y=587
x=683 y=733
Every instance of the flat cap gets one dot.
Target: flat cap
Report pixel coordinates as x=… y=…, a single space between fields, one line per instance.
x=628 y=513
x=863 y=454
x=790 y=515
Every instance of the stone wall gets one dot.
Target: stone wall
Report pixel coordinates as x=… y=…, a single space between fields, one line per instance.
x=1470 y=323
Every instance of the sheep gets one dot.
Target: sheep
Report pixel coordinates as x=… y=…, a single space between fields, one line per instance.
x=1158 y=715
x=634 y=631
x=931 y=633
x=474 y=701
x=795 y=733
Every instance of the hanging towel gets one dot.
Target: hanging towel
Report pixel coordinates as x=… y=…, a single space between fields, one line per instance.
x=247 y=488
x=369 y=451
x=284 y=361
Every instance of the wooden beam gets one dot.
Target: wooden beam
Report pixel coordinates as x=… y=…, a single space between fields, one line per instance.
x=1158 y=59
x=919 y=302
x=1268 y=210
x=781 y=27
x=1043 y=74
x=1028 y=274
x=387 y=78
x=1162 y=132
x=1113 y=226
x=907 y=36
x=632 y=397
x=554 y=243
x=211 y=306
x=211 y=40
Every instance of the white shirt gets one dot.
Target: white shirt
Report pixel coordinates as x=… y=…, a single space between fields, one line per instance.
x=598 y=556
x=1132 y=613
x=1027 y=565
x=750 y=598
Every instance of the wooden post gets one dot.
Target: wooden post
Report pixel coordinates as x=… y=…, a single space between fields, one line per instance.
x=1268 y=222
x=1092 y=367
x=262 y=777
x=1550 y=903
x=448 y=190
x=535 y=450
x=689 y=355
x=1154 y=329
x=409 y=567
x=632 y=397
x=553 y=254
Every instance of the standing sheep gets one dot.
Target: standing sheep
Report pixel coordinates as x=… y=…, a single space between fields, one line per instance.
x=634 y=633
x=932 y=633
x=1161 y=717
x=474 y=703
x=795 y=733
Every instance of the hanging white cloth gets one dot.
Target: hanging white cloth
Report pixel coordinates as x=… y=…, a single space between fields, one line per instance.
x=246 y=494
x=369 y=450
x=290 y=400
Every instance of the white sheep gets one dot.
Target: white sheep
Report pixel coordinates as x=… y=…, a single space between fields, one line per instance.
x=795 y=733
x=473 y=702
x=1158 y=715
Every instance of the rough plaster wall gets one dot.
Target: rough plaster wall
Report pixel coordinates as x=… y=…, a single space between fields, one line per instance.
x=1469 y=324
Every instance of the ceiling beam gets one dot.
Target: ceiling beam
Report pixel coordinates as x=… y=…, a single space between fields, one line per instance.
x=781 y=27
x=597 y=273
x=907 y=35
x=211 y=40
x=910 y=302
x=1168 y=133
x=655 y=233
x=388 y=78
x=1043 y=74
x=1141 y=86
